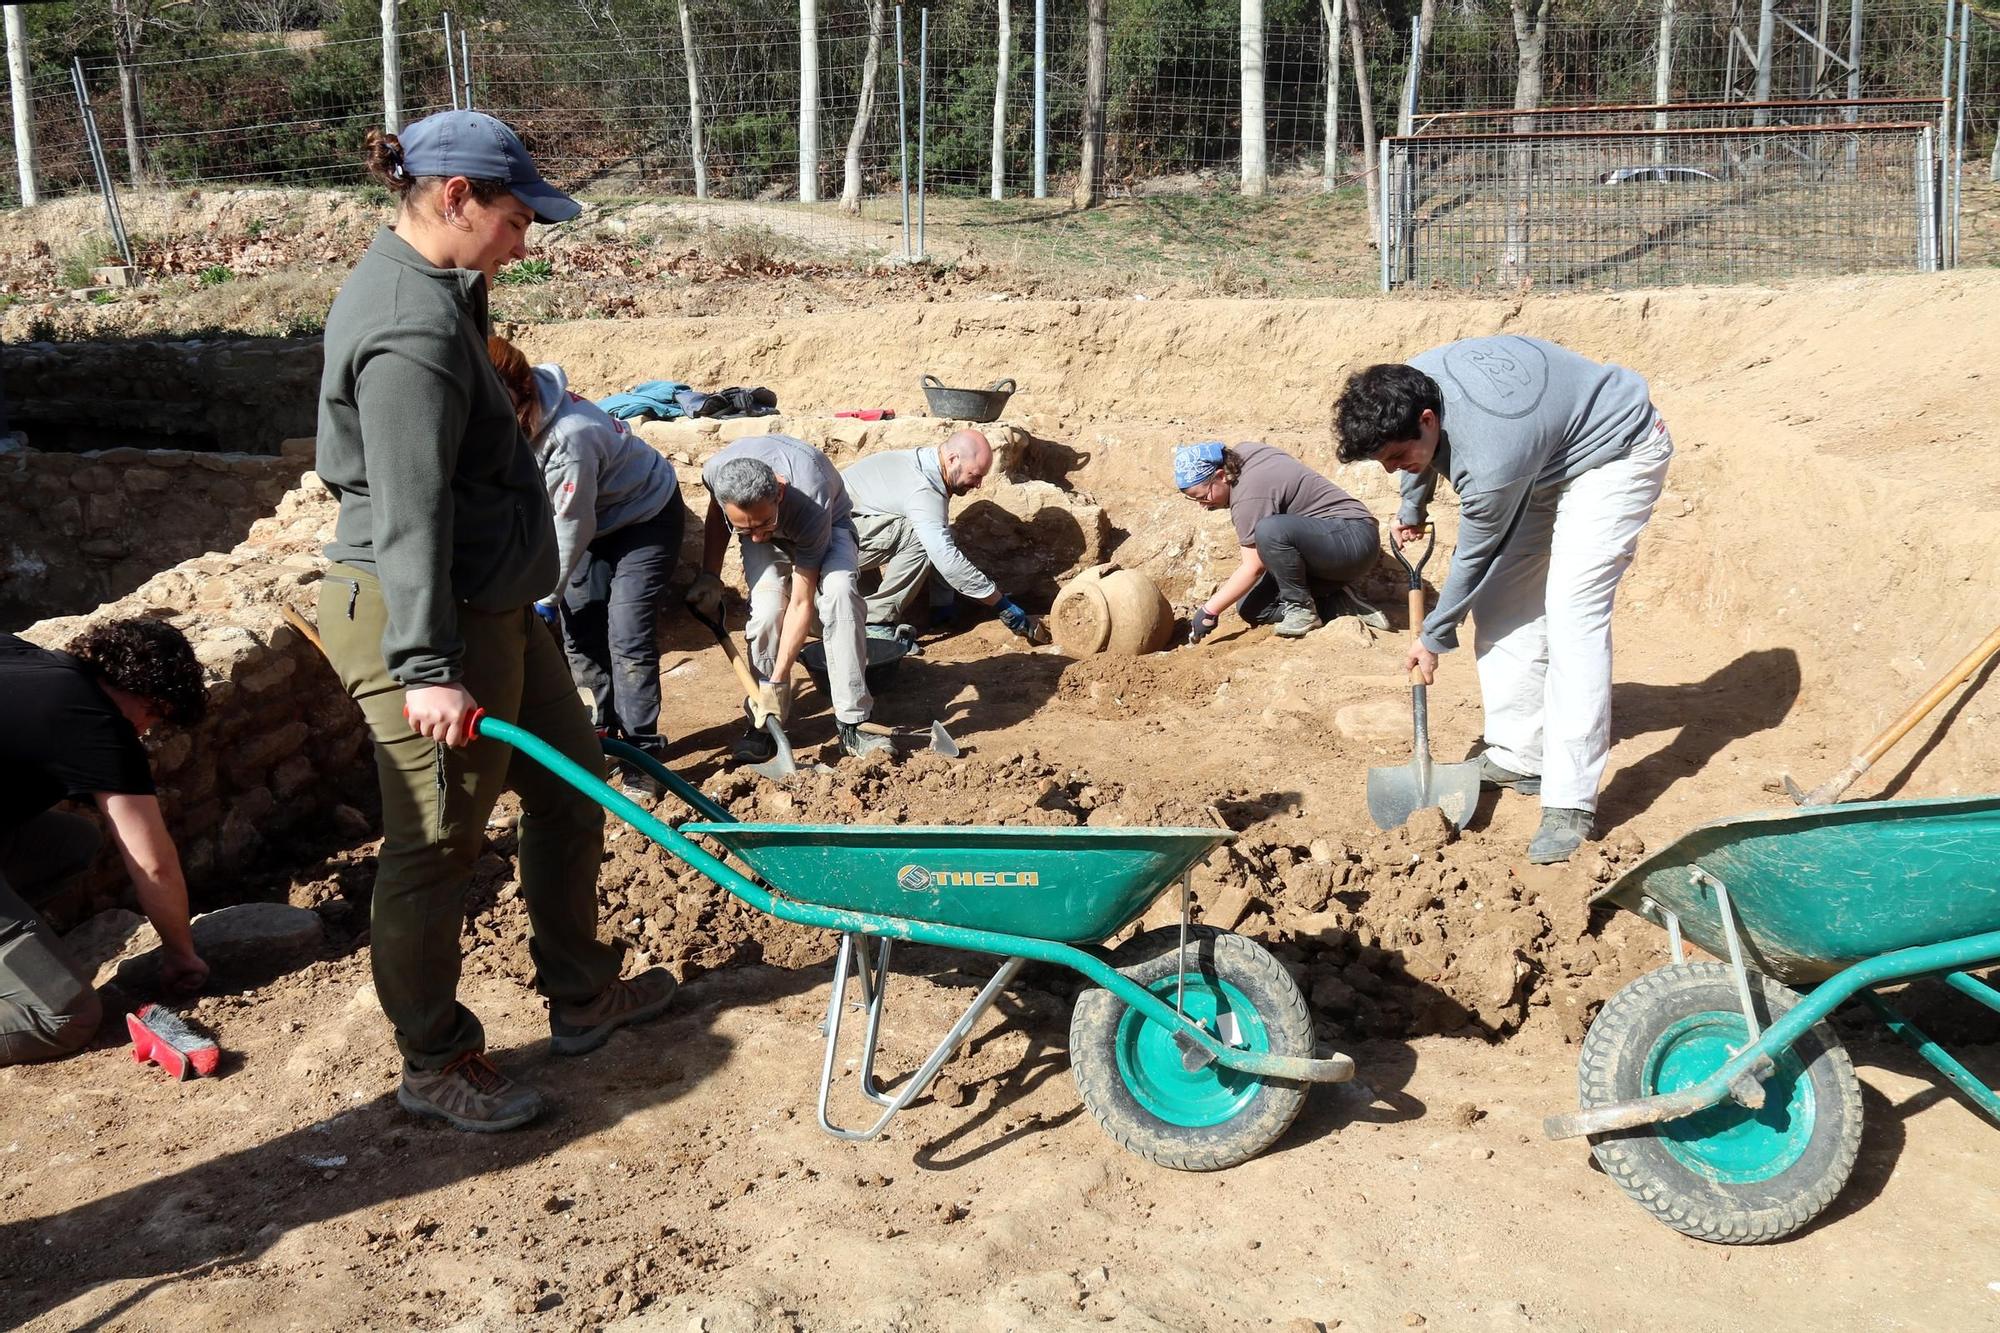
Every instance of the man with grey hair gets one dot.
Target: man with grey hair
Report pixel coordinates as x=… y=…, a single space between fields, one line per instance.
x=784 y=501
x=902 y=514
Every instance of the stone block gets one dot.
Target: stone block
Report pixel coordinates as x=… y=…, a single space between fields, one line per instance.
x=292 y=777
x=298 y=449
x=147 y=479
x=94 y=480
x=102 y=939
x=104 y=548
x=102 y=512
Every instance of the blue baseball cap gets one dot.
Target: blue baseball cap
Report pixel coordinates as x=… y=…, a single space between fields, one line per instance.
x=478 y=147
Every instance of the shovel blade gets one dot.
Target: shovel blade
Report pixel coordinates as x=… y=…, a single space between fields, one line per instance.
x=942 y=742
x=1394 y=794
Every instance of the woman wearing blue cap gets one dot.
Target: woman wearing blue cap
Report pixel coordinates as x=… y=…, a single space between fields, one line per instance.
x=444 y=542
x=1304 y=540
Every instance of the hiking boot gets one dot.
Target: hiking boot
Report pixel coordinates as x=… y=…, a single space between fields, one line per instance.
x=1296 y=620
x=1561 y=833
x=469 y=1094
x=1342 y=602
x=577 y=1028
x=1493 y=777
x=858 y=744
x=636 y=781
x=756 y=746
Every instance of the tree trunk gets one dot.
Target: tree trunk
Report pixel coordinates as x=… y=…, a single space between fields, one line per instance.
x=125 y=42
x=1364 y=94
x=392 y=69
x=1250 y=95
x=1767 y=31
x=1427 y=14
x=24 y=106
x=1531 y=36
x=808 y=101
x=1090 y=174
x=693 y=64
x=850 y=191
x=1002 y=59
x=1330 y=13
x=1663 y=76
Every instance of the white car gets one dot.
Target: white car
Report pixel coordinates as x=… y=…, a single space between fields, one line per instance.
x=1659 y=175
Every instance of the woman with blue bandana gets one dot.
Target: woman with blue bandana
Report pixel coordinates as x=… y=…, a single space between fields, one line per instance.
x=1303 y=540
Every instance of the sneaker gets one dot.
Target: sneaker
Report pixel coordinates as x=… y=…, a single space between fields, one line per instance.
x=1297 y=620
x=1561 y=833
x=1493 y=777
x=756 y=745
x=1342 y=602
x=577 y=1028
x=858 y=744
x=469 y=1094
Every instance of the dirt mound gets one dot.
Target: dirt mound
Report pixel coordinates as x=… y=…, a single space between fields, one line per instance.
x=1415 y=933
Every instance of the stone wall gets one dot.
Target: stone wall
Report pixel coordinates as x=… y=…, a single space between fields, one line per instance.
x=282 y=743
x=240 y=395
x=77 y=530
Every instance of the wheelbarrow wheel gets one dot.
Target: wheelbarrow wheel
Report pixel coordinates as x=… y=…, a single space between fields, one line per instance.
x=1130 y=1071
x=1729 y=1174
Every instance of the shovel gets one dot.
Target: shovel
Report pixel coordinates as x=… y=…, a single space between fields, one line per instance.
x=782 y=765
x=1394 y=794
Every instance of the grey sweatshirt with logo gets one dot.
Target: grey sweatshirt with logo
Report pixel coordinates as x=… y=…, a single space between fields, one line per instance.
x=439 y=497
x=1520 y=415
x=600 y=476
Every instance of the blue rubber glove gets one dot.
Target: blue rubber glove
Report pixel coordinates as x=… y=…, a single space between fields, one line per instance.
x=547 y=612
x=1013 y=617
x=1201 y=624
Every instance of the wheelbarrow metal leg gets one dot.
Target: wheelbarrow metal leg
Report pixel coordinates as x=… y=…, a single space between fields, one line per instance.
x=1935 y=1055
x=925 y=1073
x=878 y=1003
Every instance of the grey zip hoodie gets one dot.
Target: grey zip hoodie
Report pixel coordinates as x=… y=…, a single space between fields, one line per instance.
x=599 y=476
x=439 y=497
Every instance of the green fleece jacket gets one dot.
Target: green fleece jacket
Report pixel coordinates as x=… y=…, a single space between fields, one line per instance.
x=439 y=497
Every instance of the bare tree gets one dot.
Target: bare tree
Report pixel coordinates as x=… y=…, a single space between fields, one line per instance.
x=864 y=107
x=1097 y=60
x=1250 y=94
x=1331 y=12
x=1000 y=74
x=808 y=101
x=126 y=29
x=1371 y=159
x=1663 y=76
x=1531 y=38
x=694 y=103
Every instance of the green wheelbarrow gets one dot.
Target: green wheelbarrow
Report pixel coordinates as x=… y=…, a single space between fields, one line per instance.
x=1194 y=1046
x=1714 y=1093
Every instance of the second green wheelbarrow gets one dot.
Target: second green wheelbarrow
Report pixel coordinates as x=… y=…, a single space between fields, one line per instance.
x=1714 y=1093
x=1192 y=1048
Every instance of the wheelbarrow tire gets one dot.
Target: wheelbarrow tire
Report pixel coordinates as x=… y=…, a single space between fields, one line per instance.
x=1726 y=1174
x=1128 y=1070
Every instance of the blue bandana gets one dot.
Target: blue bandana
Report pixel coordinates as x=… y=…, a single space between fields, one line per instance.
x=1196 y=463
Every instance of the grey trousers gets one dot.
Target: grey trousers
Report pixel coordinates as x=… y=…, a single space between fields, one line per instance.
x=889 y=543
x=839 y=615
x=47 y=1006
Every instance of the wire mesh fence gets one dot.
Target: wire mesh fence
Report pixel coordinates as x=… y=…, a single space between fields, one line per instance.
x=1595 y=208
x=702 y=107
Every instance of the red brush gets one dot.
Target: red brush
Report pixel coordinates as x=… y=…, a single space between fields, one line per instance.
x=164 y=1038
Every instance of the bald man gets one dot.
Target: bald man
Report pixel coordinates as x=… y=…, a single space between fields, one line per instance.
x=902 y=512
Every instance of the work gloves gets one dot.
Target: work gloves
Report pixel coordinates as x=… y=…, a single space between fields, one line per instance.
x=547 y=611
x=771 y=700
x=1014 y=618
x=706 y=595
x=1201 y=624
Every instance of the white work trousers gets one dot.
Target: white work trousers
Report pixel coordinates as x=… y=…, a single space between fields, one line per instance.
x=1542 y=622
x=838 y=617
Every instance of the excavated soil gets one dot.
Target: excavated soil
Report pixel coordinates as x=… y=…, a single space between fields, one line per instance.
x=1829 y=542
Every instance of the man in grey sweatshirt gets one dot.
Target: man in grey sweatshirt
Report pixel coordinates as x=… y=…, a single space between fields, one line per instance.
x=785 y=503
x=1557 y=461
x=902 y=514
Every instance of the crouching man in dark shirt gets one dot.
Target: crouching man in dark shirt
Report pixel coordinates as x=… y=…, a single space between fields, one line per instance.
x=70 y=725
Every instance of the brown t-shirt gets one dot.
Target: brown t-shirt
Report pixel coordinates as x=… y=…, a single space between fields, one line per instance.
x=1273 y=482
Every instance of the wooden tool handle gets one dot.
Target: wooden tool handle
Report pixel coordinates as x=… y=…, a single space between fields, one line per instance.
x=1952 y=680
x=1416 y=627
x=304 y=628
x=735 y=655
